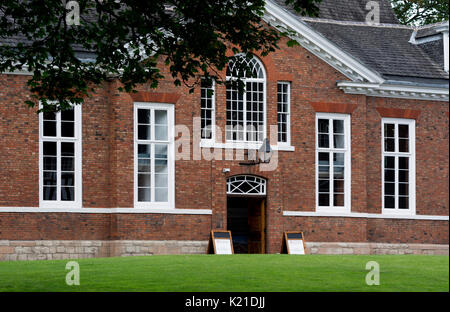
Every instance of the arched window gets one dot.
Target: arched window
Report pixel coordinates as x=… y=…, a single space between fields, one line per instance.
x=246 y=185
x=246 y=112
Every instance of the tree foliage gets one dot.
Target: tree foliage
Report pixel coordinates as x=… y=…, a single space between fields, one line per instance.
x=128 y=37
x=421 y=12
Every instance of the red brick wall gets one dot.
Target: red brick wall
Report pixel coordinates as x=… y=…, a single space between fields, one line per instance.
x=108 y=163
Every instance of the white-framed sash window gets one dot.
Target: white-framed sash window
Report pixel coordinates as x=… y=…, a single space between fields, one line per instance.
x=398 y=166
x=60 y=165
x=246 y=111
x=154 y=159
x=208 y=114
x=333 y=162
x=283 y=113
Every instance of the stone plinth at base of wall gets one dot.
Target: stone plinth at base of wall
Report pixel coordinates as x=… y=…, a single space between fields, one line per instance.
x=74 y=249
x=375 y=249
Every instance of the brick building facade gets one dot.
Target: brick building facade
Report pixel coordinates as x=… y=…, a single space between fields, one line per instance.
x=328 y=87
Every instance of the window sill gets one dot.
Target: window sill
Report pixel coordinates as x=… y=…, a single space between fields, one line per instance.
x=362 y=215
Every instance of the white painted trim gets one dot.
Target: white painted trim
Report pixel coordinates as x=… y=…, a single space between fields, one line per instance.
x=244 y=105
x=412 y=165
x=347 y=161
x=319 y=45
x=395 y=91
x=362 y=215
x=106 y=210
x=78 y=161
x=243 y=145
x=170 y=204
x=288 y=115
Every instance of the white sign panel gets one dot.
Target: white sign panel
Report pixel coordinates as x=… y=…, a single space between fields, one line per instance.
x=296 y=247
x=223 y=246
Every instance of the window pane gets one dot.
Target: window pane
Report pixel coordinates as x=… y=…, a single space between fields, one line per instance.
x=49 y=116
x=403 y=189
x=338 y=200
x=67 y=179
x=144 y=150
x=389 y=162
x=49 y=163
x=49 y=148
x=339 y=141
x=67 y=129
x=67 y=149
x=49 y=178
x=161 y=180
x=161 y=194
x=324 y=125
x=338 y=126
x=389 y=175
x=161 y=133
x=403 y=176
x=161 y=166
x=324 y=140
x=403 y=131
x=324 y=172
x=324 y=200
x=67 y=164
x=389 y=130
x=389 y=202
x=49 y=128
x=403 y=202
x=338 y=159
x=324 y=186
x=144 y=116
x=143 y=165
x=49 y=193
x=143 y=132
x=339 y=173
x=403 y=145
x=68 y=115
x=144 y=180
x=339 y=186
x=324 y=159
x=143 y=194
x=161 y=151
x=389 y=145
x=389 y=188
x=403 y=163
x=161 y=117
x=67 y=193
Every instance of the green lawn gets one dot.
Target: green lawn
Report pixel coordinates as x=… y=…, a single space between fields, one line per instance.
x=204 y=273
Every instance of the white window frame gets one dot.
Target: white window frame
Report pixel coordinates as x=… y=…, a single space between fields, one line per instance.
x=213 y=114
x=412 y=165
x=347 y=162
x=77 y=139
x=288 y=115
x=170 y=204
x=250 y=80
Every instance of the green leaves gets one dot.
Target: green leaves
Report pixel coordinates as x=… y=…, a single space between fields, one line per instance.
x=421 y=12
x=127 y=40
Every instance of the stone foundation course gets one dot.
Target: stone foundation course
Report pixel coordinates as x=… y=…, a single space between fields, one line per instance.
x=75 y=249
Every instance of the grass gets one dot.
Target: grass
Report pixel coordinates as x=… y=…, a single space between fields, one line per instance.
x=237 y=273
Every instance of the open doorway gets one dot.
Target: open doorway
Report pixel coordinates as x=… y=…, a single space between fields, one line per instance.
x=246 y=221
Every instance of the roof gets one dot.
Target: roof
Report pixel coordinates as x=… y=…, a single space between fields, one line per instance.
x=385 y=48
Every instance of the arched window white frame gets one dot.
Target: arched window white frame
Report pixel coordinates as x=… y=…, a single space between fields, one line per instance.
x=246 y=185
x=246 y=112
